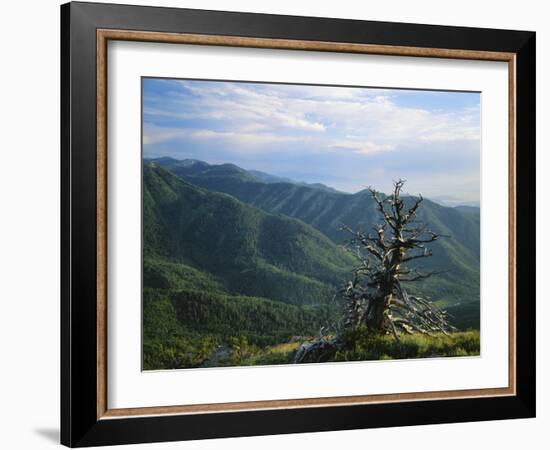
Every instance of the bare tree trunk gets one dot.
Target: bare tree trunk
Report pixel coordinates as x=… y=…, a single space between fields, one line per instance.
x=376 y=296
x=376 y=321
x=385 y=266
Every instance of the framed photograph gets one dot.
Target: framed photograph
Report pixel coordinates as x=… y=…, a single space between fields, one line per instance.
x=277 y=224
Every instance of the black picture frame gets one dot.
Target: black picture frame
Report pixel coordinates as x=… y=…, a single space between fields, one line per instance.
x=80 y=425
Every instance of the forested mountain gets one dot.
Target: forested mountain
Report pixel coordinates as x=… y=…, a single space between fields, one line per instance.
x=195 y=167
x=215 y=267
x=246 y=250
x=456 y=255
x=233 y=263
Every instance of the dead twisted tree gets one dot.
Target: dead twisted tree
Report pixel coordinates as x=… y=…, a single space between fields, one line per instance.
x=376 y=297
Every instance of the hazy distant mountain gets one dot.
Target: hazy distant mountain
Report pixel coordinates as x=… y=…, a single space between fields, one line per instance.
x=267 y=178
x=472 y=210
x=446 y=200
x=194 y=167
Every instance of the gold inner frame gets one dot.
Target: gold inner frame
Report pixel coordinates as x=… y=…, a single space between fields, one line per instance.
x=104 y=35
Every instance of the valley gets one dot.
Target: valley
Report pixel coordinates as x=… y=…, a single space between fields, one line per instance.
x=228 y=249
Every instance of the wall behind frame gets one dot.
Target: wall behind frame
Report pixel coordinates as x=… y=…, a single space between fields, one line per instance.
x=29 y=229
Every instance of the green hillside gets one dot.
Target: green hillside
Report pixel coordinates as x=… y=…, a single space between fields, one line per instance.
x=184 y=327
x=456 y=256
x=216 y=270
x=238 y=271
x=247 y=250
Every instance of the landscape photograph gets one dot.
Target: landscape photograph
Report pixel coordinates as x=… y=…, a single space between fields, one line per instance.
x=298 y=224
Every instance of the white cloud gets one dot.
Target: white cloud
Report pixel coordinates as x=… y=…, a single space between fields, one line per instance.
x=364 y=121
x=158 y=135
x=360 y=147
x=245 y=108
x=346 y=137
x=248 y=139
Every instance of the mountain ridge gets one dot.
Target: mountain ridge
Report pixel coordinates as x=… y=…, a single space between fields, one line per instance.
x=457 y=255
x=272 y=254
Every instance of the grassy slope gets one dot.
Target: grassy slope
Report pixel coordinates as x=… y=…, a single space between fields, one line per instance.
x=377 y=348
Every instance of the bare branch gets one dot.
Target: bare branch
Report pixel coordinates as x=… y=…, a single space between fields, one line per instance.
x=425 y=254
x=366 y=241
x=411 y=214
x=375 y=296
x=420 y=276
x=390 y=220
x=432 y=237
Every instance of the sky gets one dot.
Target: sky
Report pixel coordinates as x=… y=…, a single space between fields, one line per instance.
x=348 y=138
